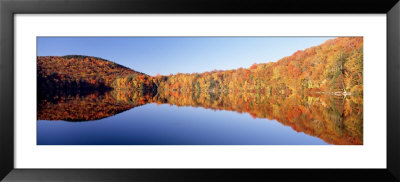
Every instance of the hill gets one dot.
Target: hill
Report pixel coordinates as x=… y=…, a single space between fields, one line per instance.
x=334 y=67
x=75 y=72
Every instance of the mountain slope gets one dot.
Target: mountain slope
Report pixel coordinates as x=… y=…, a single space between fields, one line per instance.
x=78 y=72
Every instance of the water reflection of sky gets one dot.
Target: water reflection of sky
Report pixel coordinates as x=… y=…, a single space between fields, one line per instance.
x=154 y=124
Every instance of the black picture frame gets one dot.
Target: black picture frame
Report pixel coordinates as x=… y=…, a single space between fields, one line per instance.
x=9 y=8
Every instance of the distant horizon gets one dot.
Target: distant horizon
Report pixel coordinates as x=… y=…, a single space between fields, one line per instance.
x=173 y=55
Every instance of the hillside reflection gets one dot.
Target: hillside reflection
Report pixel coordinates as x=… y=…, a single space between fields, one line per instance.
x=336 y=120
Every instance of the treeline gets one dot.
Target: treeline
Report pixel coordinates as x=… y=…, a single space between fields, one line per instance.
x=334 y=66
x=136 y=82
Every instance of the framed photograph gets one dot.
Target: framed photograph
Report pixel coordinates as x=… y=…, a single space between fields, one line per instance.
x=200 y=90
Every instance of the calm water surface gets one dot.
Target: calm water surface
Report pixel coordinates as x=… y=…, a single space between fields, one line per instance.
x=197 y=119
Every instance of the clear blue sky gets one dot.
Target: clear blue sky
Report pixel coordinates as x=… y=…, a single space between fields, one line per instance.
x=165 y=55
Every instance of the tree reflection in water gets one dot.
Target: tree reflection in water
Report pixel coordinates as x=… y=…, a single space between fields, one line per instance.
x=336 y=120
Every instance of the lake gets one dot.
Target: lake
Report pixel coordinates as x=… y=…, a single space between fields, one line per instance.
x=198 y=118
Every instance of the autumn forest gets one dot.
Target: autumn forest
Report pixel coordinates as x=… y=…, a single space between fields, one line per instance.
x=317 y=91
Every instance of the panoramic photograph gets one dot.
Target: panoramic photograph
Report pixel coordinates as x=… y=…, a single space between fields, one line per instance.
x=199 y=90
